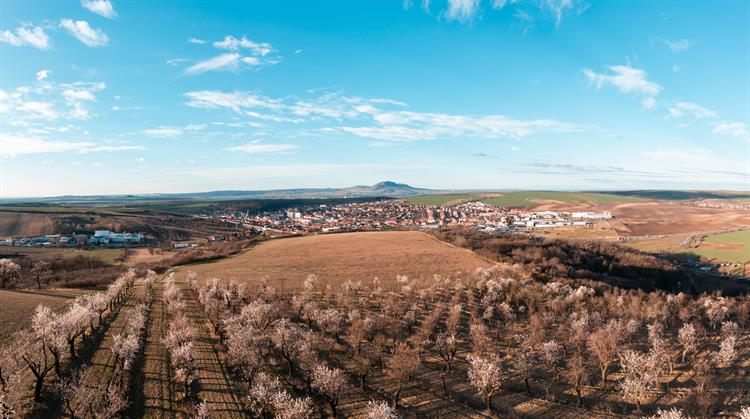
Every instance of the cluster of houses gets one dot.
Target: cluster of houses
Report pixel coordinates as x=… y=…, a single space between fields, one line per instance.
x=100 y=238
x=722 y=204
x=391 y=214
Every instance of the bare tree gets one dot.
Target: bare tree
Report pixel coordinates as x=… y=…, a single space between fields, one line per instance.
x=523 y=362
x=40 y=271
x=551 y=352
x=577 y=374
x=400 y=366
x=688 y=340
x=604 y=343
x=9 y=272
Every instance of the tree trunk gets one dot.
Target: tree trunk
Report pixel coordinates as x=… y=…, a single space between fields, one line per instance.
x=333 y=404
x=56 y=359
x=604 y=374
x=578 y=395
x=526 y=381
x=362 y=384
x=72 y=347
x=70 y=409
x=38 y=388
x=396 y=396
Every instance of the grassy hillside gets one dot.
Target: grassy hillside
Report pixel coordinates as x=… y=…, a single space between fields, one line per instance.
x=522 y=198
x=730 y=247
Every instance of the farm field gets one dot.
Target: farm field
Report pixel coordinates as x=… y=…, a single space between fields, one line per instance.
x=522 y=199
x=110 y=256
x=338 y=257
x=17 y=307
x=665 y=217
x=729 y=247
x=533 y=199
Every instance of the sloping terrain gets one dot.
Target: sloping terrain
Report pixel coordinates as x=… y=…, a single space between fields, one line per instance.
x=339 y=257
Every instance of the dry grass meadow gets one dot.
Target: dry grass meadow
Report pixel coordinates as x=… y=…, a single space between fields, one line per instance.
x=17 y=307
x=336 y=258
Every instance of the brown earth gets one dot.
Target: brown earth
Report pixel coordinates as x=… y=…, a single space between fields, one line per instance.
x=649 y=218
x=657 y=217
x=722 y=246
x=145 y=255
x=338 y=257
x=17 y=307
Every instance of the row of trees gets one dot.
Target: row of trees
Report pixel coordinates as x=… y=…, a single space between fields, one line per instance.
x=74 y=271
x=53 y=341
x=495 y=329
x=180 y=339
x=255 y=333
x=85 y=394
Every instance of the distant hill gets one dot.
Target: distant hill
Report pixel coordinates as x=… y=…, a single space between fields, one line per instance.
x=382 y=189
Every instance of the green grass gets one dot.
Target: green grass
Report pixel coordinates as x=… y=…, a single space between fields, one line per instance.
x=106 y=255
x=526 y=199
x=728 y=255
x=440 y=199
x=103 y=254
x=522 y=199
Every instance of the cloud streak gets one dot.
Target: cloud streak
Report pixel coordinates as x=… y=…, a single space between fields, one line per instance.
x=256 y=147
x=33 y=36
x=100 y=7
x=81 y=30
x=378 y=119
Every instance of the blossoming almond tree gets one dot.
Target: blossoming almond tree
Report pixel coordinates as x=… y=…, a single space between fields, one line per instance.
x=485 y=375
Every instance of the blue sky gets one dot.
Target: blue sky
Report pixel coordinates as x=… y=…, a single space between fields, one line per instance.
x=109 y=97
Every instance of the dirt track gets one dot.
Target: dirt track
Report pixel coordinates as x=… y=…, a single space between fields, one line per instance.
x=155 y=400
x=214 y=386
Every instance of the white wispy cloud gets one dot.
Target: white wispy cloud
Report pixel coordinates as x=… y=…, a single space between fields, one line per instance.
x=100 y=7
x=379 y=119
x=81 y=30
x=227 y=61
x=48 y=101
x=244 y=54
x=235 y=101
x=679 y=109
x=26 y=35
x=231 y=43
x=412 y=126
x=43 y=74
x=464 y=11
x=165 y=131
x=735 y=130
x=527 y=11
x=627 y=80
x=281 y=171
x=14 y=145
x=76 y=94
x=256 y=147
x=678 y=45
